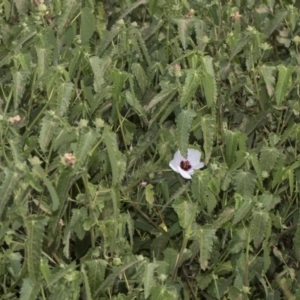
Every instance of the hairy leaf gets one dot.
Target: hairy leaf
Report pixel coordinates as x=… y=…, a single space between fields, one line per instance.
x=117 y=160
x=29 y=289
x=269 y=78
x=87 y=24
x=231 y=142
x=276 y=22
x=148 y=279
x=34 y=225
x=200 y=180
x=190 y=87
x=208 y=126
x=244 y=182
x=184 y=122
x=11 y=180
x=95 y=272
x=284 y=77
x=205 y=237
x=185 y=211
x=243 y=210
x=100 y=67
x=268 y=158
x=258 y=227
x=19 y=82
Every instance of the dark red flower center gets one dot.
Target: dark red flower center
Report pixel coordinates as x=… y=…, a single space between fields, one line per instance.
x=185 y=165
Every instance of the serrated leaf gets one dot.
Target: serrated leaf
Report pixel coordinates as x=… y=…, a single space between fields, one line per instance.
x=256 y=166
x=269 y=201
x=87 y=24
x=43 y=56
x=117 y=160
x=86 y=141
x=65 y=92
x=99 y=66
x=140 y=76
x=200 y=180
x=208 y=81
x=284 y=77
x=231 y=143
x=243 y=210
x=280 y=15
x=191 y=84
x=11 y=180
x=19 y=82
x=204 y=237
x=35 y=232
x=241 y=42
x=224 y=217
x=149 y=194
x=269 y=78
x=184 y=122
x=258 y=227
x=164 y=95
x=48 y=126
x=96 y=272
x=148 y=279
x=208 y=126
x=29 y=290
x=268 y=158
x=38 y=171
x=69 y=9
x=184 y=26
x=297 y=241
x=244 y=182
x=185 y=211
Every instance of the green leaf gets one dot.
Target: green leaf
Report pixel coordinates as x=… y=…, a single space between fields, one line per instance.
x=191 y=84
x=65 y=92
x=283 y=83
x=148 y=279
x=87 y=24
x=19 y=83
x=11 y=180
x=48 y=127
x=140 y=76
x=231 y=142
x=200 y=180
x=87 y=288
x=269 y=201
x=269 y=78
x=204 y=236
x=297 y=242
x=258 y=227
x=185 y=211
x=208 y=81
x=184 y=26
x=117 y=160
x=243 y=210
x=224 y=217
x=96 y=269
x=208 y=126
x=268 y=158
x=244 y=182
x=69 y=9
x=257 y=167
x=38 y=171
x=99 y=66
x=34 y=225
x=149 y=193
x=164 y=95
x=44 y=60
x=29 y=289
x=280 y=15
x=86 y=141
x=184 y=122
x=241 y=42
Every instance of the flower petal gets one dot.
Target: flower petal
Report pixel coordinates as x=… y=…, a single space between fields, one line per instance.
x=197 y=166
x=178 y=157
x=194 y=156
x=174 y=165
x=185 y=174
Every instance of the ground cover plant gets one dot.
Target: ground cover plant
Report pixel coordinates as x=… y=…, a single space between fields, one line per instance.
x=102 y=101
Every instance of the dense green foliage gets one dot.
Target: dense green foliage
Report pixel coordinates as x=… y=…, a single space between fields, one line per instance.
x=96 y=97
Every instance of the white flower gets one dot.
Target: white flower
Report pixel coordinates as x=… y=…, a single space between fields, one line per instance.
x=186 y=166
